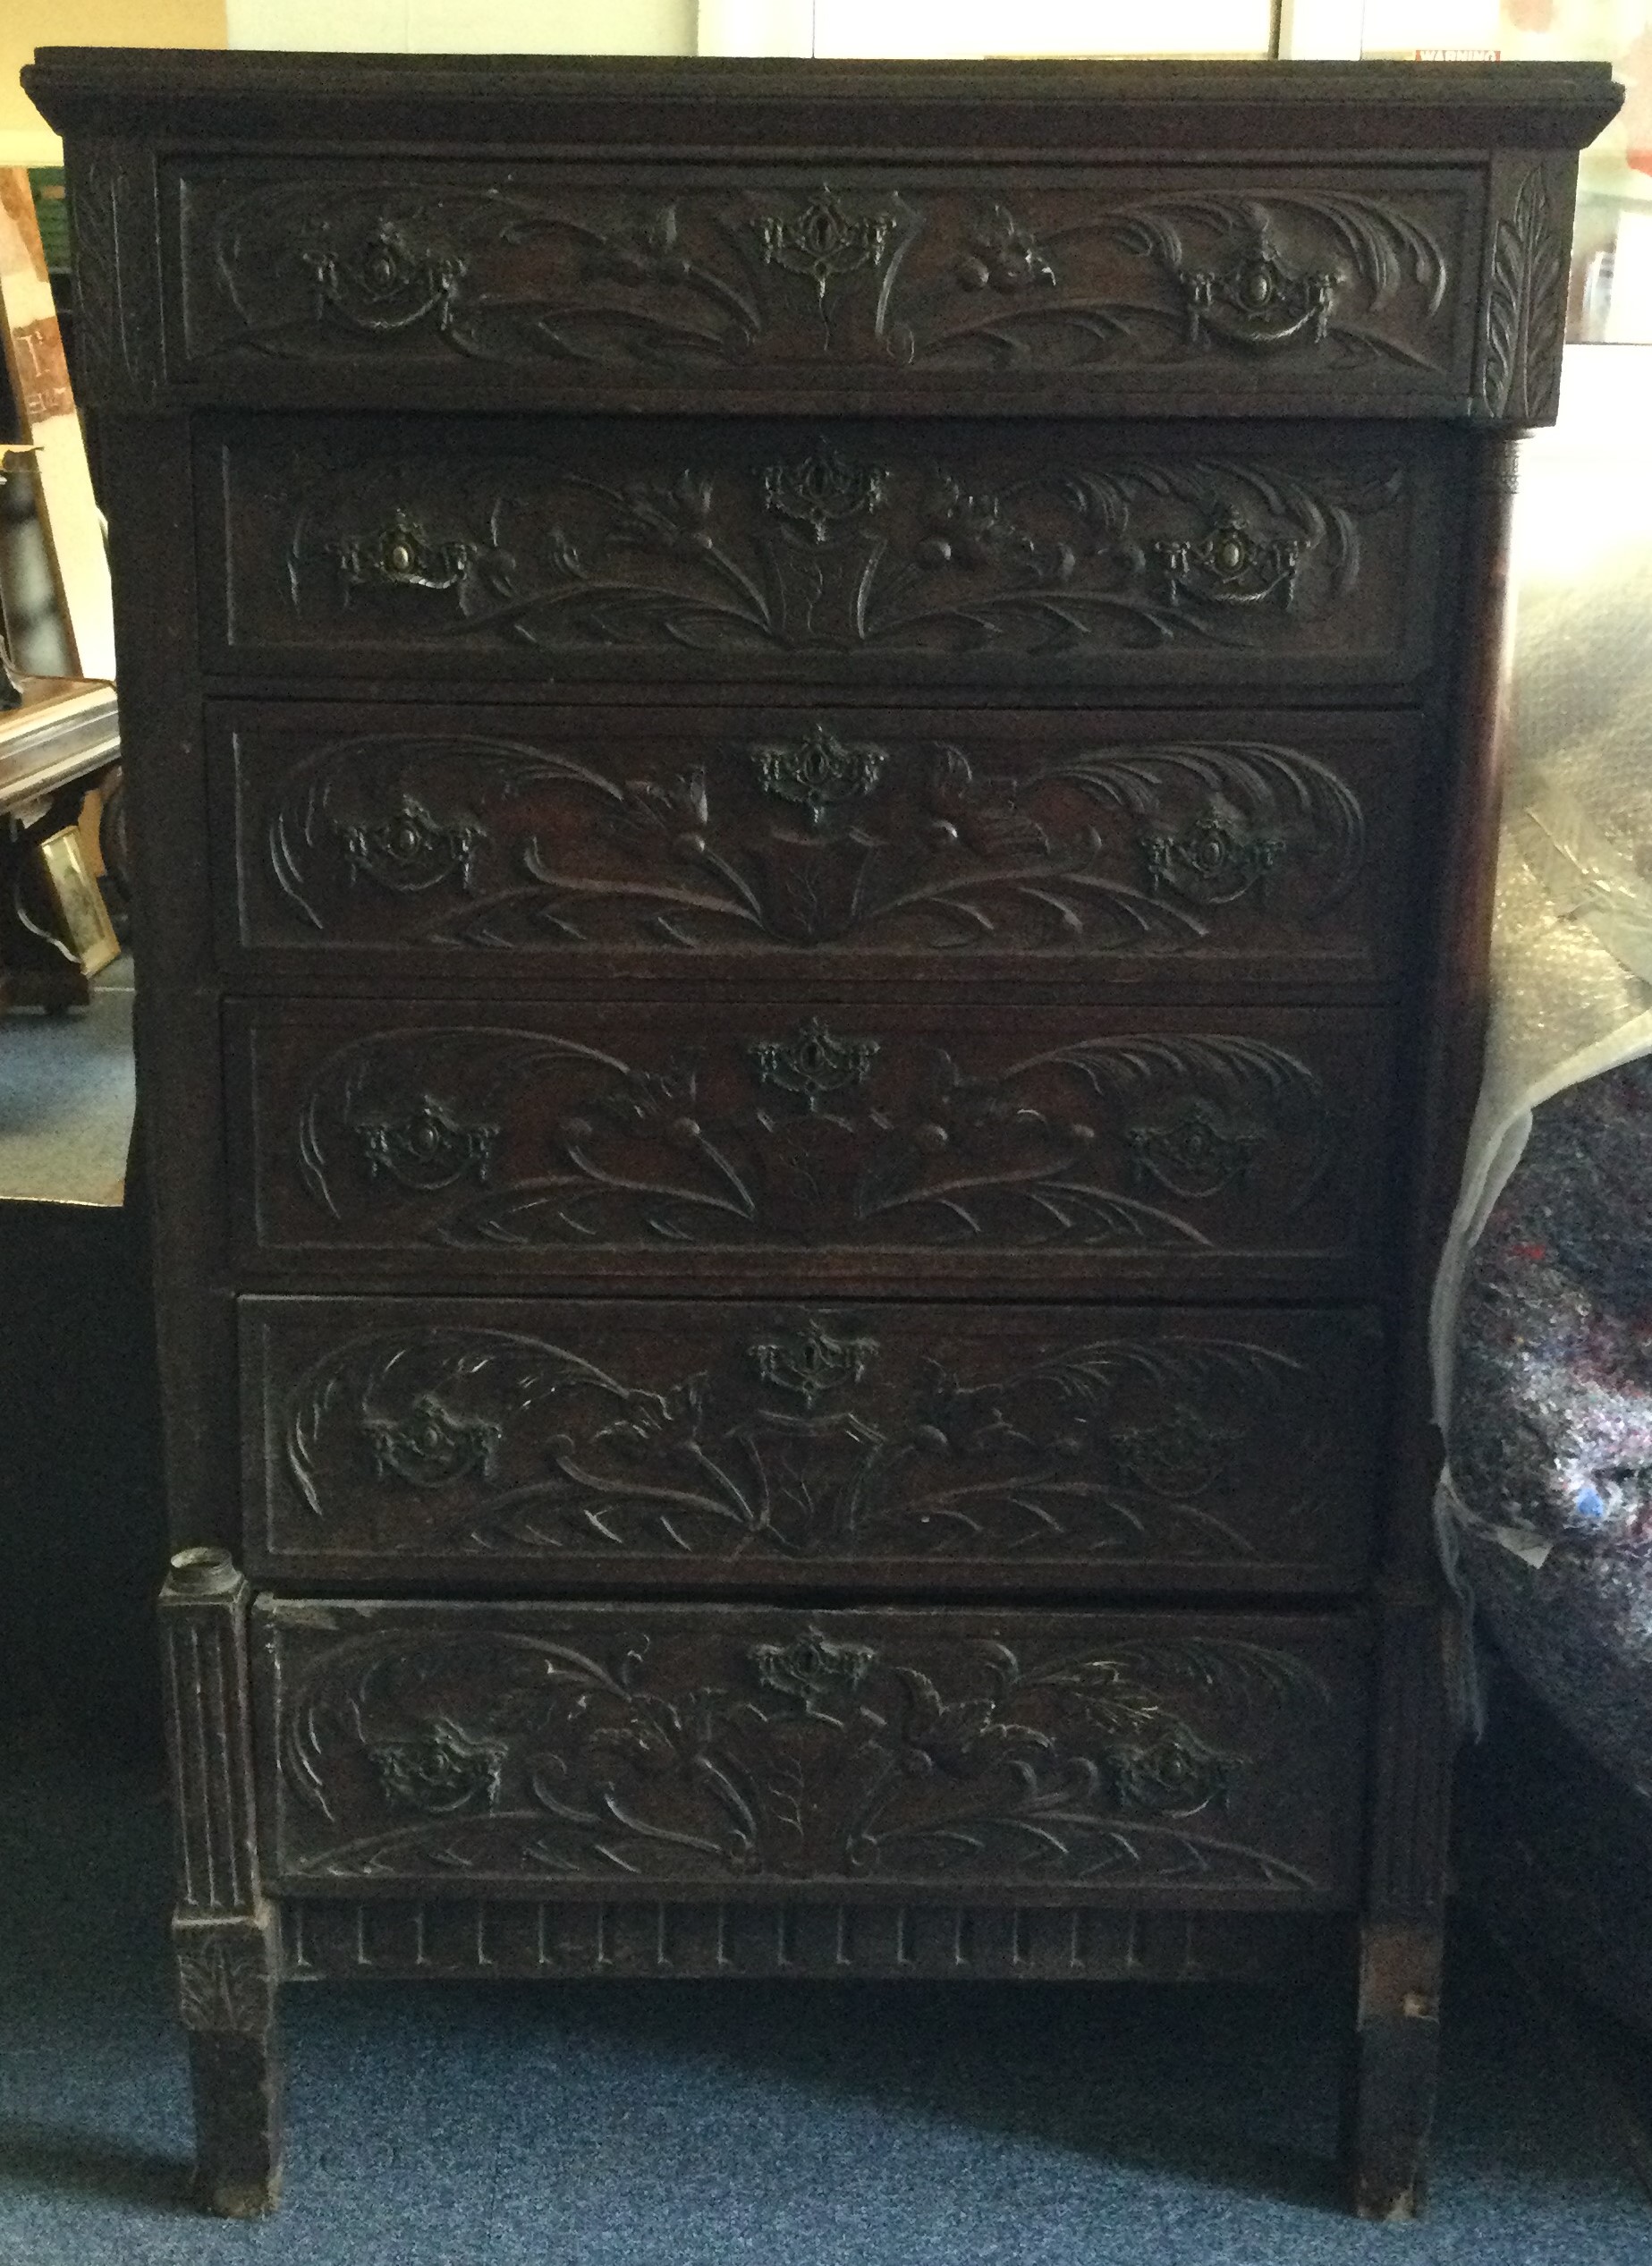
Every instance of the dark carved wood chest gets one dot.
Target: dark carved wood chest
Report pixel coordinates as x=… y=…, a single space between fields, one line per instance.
x=813 y=752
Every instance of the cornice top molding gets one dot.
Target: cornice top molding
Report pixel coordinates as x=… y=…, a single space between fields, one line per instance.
x=212 y=99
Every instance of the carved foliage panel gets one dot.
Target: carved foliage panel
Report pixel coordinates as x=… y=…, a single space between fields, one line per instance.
x=925 y=552
x=1182 y=1138
x=1047 y=1443
x=614 y=1748
x=1269 y=843
x=1246 y=279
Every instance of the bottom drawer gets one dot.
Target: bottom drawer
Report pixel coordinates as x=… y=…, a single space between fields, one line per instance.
x=1172 y=1759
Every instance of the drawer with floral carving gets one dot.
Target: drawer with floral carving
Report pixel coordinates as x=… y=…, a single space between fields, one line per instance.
x=771 y=1143
x=691 y=1446
x=480 y=844
x=1223 y=288
x=622 y=1750
x=907 y=552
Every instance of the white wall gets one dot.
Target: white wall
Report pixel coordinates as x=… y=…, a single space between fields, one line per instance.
x=1041 y=27
x=1326 y=29
x=1323 y=27
x=479 y=27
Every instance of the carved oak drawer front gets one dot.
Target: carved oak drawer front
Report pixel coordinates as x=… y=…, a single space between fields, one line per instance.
x=908 y=552
x=1257 y=847
x=591 y=1143
x=631 y=1750
x=1223 y=288
x=1055 y=1447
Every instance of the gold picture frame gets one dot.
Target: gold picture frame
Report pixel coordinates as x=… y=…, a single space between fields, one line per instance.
x=78 y=911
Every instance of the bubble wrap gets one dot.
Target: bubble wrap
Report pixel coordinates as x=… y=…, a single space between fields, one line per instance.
x=1572 y=955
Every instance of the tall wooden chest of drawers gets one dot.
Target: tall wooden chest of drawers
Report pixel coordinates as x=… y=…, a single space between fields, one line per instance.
x=813 y=755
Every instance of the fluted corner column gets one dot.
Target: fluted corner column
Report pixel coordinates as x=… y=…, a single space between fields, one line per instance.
x=223 y=1930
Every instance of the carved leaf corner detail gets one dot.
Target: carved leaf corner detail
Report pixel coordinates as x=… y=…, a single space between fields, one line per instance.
x=1526 y=307
x=223 y=1978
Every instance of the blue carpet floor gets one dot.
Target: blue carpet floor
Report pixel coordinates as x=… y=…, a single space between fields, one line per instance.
x=66 y=1098
x=694 y=2125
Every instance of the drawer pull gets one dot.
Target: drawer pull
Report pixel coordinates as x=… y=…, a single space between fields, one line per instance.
x=812 y=1063
x=822 y=489
x=811 y=1362
x=1219 y=855
x=1182 y=1457
x=823 y=241
x=403 y=555
x=1257 y=300
x=1195 y=1150
x=384 y=279
x=819 y=771
x=431 y=1447
x=1231 y=567
x=440 y=1771
x=427 y=1149
x=410 y=850
x=1246 y=292
x=814 y=1670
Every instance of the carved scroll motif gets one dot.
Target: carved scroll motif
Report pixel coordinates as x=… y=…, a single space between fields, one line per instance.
x=1117 y=848
x=833 y=553
x=1337 y=279
x=690 y=281
x=889 y=1147
x=818 y=1754
x=508 y=1442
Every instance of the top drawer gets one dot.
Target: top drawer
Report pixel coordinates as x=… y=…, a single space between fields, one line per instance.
x=1217 y=289
x=872 y=552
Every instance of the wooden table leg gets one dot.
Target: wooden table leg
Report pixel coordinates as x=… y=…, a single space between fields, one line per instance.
x=1395 y=2070
x=226 y=1990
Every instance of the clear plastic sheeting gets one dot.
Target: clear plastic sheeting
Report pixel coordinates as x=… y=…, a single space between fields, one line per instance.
x=1572 y=955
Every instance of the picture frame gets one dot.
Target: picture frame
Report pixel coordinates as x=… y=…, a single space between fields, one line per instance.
x=74 y=900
